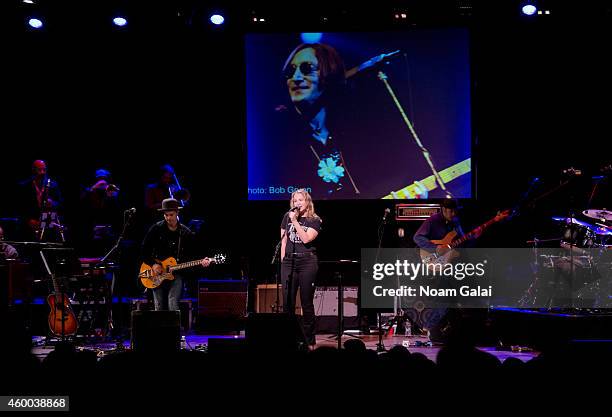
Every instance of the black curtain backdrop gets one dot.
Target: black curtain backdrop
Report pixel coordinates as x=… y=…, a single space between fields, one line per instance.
x=132 y=101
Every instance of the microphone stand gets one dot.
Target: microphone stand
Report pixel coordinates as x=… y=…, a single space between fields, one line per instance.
x=127 y=217
x=426 y=154
x=290 y=306
x=276 y=305
x=572 y=243
x=179 y=188
x=380 y=347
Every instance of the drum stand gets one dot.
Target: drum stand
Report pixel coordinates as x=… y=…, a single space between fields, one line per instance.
x=530 y=297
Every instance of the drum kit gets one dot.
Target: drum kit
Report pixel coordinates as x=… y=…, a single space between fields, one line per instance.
x=579 y=234
x=581 y=267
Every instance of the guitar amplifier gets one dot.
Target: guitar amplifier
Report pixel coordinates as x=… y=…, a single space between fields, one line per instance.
x=224 y=299
x=266 y=297
x=325 y=300
x=415 y=212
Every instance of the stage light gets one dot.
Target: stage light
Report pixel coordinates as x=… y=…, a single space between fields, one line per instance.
x=119 y=21
x=35 y=23
x=529 y=9
x=312 y=37
x=217 y=19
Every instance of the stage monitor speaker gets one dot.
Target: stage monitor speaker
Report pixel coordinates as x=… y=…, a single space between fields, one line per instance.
x=156 y=331
x=272 y=332
x=223 y=299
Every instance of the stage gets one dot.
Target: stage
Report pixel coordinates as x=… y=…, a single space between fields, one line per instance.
x=199 y=342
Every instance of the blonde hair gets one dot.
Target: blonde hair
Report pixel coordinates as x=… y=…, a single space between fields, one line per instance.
x=310 y=211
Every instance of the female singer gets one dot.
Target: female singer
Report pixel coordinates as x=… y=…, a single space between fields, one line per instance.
x=299 y=228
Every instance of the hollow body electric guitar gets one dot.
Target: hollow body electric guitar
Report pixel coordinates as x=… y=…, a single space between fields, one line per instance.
x=445 y=252
x=151 y=280
x=62 y=320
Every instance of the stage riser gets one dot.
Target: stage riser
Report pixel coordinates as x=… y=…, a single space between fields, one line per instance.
x=542 y=331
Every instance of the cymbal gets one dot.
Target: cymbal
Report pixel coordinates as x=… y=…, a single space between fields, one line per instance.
x=602 y=215
x=575 y=221
x=599 y=229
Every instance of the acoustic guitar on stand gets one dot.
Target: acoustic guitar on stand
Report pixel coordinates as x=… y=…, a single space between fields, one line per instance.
x=62 y=320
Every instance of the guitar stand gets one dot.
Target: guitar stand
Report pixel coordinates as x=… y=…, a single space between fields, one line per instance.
x=62 y=338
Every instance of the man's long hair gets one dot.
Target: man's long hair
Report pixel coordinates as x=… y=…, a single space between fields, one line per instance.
x=331 y=66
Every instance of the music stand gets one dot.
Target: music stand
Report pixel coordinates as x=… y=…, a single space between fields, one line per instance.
x=338 y=273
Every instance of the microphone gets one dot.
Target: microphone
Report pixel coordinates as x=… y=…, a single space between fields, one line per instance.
x=379 y=59
x=295 y=208
x=387 y=211
x=131 y=211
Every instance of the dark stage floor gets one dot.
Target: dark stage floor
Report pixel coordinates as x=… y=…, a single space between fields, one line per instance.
x=199 y=342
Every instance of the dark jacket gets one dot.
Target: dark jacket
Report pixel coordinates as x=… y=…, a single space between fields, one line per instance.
x=161 y=243
x=435 y=228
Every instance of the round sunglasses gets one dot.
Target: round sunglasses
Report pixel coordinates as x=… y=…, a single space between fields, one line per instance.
x=306 y=68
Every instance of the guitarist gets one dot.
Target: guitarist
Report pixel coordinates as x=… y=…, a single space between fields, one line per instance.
x=168 y=238
x=438 y=226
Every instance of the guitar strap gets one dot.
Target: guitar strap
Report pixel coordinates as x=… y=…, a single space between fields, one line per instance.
x=178 y=250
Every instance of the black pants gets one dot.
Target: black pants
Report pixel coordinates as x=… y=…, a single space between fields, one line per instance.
x=303 y=270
